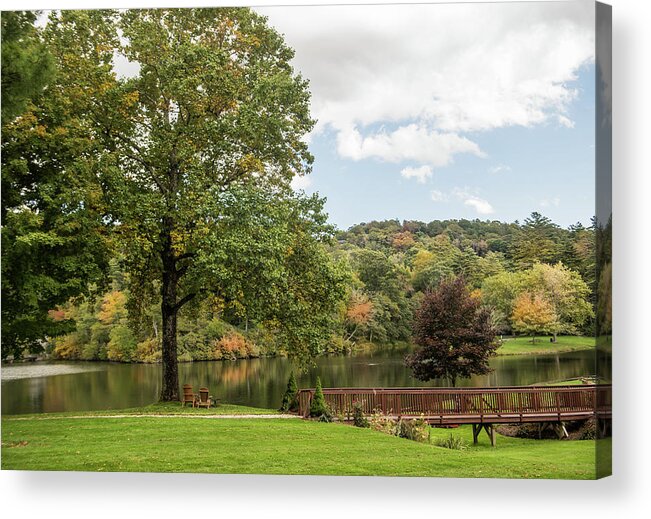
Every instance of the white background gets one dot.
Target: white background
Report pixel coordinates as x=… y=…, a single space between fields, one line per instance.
x=626 y=494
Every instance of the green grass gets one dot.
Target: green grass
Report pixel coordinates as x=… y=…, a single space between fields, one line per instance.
x=164 y=408
x=564 y=343
x=276 y=446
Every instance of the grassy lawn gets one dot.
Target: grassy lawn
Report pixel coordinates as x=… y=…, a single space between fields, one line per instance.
x=524 y=346
x=165 y=408
x=275 y=446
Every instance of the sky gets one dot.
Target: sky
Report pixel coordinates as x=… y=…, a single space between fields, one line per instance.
x=448 y=111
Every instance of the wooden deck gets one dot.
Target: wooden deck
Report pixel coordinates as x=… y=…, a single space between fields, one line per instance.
x=479 y=406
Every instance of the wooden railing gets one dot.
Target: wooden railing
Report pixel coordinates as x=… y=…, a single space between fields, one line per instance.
x=470 y=405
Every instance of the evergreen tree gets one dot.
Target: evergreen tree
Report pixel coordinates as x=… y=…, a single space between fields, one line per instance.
x=289 y=402
x=318 y=407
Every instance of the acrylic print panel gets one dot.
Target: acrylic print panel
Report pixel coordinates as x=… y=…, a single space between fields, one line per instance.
x=344 y=240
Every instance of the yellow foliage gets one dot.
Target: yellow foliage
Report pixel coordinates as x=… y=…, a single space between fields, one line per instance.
x=113 y=307
x=67 y=347
x=532 y=313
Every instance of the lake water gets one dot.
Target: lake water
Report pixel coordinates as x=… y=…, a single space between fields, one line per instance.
x=77 y=386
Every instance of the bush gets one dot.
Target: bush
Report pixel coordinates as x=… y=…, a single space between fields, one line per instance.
x=289 y=402
x=318 y=407
x=382 y=423
x=359 y=420
x=451 y=442
x=417 y=430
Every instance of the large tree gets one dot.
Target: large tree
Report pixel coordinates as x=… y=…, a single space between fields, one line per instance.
x=454 y=334
x=52 y=240
x=202 y=134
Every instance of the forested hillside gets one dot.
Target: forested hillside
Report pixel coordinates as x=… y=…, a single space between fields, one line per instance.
x=535 y=277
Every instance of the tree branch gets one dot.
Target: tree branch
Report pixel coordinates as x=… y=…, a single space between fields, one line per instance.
x=184 y=300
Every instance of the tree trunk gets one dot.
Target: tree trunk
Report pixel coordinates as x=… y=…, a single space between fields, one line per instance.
x=169 y=310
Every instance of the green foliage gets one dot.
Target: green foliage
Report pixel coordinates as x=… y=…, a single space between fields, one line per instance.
x=122 y=344
x=53 y=237
x=198 y=152
x=289 y=401
x=318 y=406
x=451 y=442
x=416 y=430
x=378 y=421
x=359 y=420
x=26 y=64
x=539 y=240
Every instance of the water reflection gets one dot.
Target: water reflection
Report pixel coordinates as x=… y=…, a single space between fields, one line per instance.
x=260 y=382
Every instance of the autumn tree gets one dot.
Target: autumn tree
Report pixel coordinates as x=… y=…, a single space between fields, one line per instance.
x=454 y=334
x=565 y=291
x=358 y=313
x=533 y=315
x=200 y=145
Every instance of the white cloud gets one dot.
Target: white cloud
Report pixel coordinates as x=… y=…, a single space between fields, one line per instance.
x=411 y=142
x=421 y=174
x=466 y=196
x=479 y=204
x=445 y=69
x=301 y=182
x=500 y=168
x=548 y=202
x=438 y=196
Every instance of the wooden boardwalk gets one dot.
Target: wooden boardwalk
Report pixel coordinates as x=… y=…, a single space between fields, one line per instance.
x=481 y=407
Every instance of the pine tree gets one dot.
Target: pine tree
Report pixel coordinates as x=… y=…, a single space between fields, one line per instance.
x=318 y=406
x=289 y=402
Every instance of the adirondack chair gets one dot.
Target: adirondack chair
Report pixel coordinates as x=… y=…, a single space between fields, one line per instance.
x=205 y=399
x=188 y=396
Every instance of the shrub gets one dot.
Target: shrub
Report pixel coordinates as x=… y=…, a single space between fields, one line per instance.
x=318 y=407
x=359 y=420
x=451 y=442
x=382 y=423
x=289 y=402
x=417 y=430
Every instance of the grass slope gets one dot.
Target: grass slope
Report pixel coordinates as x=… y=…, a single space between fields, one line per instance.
x=275 y=446
x=163 y=408
x=524 y=346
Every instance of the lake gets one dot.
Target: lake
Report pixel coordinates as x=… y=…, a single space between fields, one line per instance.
x=77 y=386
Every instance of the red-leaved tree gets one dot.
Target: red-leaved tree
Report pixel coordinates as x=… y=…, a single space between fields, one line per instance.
x=454 y=334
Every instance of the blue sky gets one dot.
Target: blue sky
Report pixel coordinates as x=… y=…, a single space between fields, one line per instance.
x=449 y=111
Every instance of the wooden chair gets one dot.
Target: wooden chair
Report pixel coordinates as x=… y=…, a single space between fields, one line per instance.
x=205 y=399
x=188 y=396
